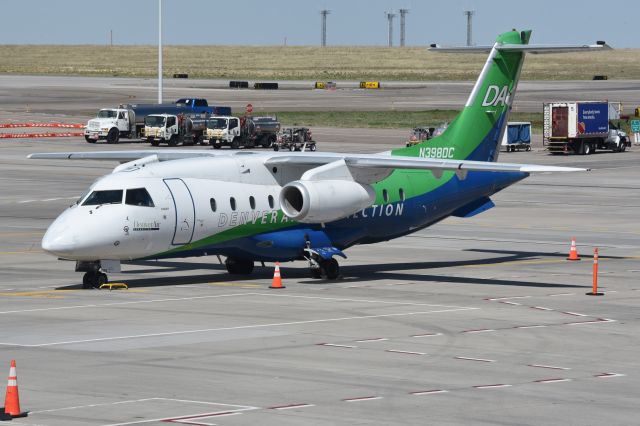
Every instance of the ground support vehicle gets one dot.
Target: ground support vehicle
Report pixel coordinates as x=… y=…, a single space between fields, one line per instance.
x=173 y=129
x=295 y=139
x=583 y=127
x=517 y=136
x=242 y=132
x=127 y=120
x=423 y=133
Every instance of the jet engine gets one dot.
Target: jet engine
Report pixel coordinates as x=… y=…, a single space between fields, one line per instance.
x=325 y=200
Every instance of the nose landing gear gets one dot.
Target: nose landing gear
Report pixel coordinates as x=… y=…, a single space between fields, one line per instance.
x=94 y=279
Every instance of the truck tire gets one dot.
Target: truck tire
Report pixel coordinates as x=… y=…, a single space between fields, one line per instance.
x=623 y=146
x=312 y=147
x=276 y=148
x=173 y=140
x=216 y=145
x=587 y=148
x=235 y=143
x=89 y=140
x=155 y=142
x=113 y=136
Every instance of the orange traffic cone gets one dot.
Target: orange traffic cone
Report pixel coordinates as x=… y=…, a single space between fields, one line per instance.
x=12 y=400
x=573 y=251
x=277 y=280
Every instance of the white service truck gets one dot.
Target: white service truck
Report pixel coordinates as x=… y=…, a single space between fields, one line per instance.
x=173 y=129
x=246 y=131
x=583 y=127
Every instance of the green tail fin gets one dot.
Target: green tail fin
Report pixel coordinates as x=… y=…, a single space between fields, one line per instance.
x=475 y=133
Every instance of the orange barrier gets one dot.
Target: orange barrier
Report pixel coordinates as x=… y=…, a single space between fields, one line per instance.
x=56 y=125
x=39 y=135
x=594 y=290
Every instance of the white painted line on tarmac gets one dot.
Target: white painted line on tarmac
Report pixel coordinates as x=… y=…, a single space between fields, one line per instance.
x=133 y=302
x=548 y=366
x=338 y=299
x=335 y=345
x=377 y=339
x=291 y=406
x=530 y=326
x=362 y=398
x=542 y=308
x=464 y=358
x=480 y=330
x=562 y=294
x=609 y=375
x=508 y=298
x=427 y=335
x=558 y=380
x=429 y=392
x=240 y=327
x=506 y=302
x=574 y=314
x=398 y=351
x=76 y=407
x=498 y=385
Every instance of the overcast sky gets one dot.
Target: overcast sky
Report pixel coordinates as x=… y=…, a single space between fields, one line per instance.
x=351 y=22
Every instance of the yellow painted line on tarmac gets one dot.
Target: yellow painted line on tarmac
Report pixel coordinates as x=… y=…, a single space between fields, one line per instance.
x=21 y=252
x=44 y=294
x=242 y=285
x=516 y=262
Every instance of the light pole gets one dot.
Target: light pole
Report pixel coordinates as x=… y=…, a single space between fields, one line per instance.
x=159 y=51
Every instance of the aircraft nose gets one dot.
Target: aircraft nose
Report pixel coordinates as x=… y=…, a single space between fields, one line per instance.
x=59 y=239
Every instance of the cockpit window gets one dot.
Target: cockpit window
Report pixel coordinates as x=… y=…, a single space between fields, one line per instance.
x=139 y=197
x=112 y=196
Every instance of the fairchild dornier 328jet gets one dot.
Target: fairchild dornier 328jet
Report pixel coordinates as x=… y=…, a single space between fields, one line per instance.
x=274 y=206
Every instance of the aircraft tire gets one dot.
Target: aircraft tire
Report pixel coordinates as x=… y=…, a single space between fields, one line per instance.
x=239 y=266
x=331 y=268
x=94 y=279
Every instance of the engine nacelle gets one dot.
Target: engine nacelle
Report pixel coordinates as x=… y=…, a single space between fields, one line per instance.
x=325 y=200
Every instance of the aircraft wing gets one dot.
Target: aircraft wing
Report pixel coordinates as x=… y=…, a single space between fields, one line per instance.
x=163 y=155
x=383 y=161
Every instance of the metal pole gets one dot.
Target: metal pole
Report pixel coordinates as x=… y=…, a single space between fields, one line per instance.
x=323 y=35
x=469 y=14
x=159 y=51
x=403 y=13
x=390 y=17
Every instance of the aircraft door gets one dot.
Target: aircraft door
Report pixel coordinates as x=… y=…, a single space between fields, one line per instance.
x=185 y=211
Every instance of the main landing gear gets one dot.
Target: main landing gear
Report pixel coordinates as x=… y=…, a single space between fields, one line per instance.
x=94 y=279
x=321 y=266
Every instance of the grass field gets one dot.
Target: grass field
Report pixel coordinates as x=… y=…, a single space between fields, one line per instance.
x=298 y=62
x=384 y=119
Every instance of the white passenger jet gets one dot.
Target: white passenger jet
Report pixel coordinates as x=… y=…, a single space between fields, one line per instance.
x=274 y=206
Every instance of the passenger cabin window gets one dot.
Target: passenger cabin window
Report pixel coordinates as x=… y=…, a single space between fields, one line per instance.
x=252 y=203
x=232 y=201
x=112 y=196
x=138 y=197
x=385 y=195
x=213 y=204
x=270 y=201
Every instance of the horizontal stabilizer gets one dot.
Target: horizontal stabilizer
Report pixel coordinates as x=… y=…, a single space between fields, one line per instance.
x=474 y=208
x=528 y=48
